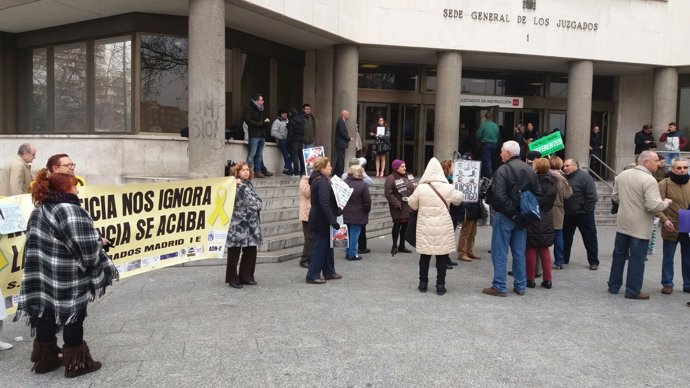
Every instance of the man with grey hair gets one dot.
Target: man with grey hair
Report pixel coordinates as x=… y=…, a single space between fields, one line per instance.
x=579 y=213
x=637 y=194
x=16 y=175
x=512 y=178
x=676 y=188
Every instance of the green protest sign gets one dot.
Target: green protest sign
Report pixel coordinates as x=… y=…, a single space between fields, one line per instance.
x=547 y=145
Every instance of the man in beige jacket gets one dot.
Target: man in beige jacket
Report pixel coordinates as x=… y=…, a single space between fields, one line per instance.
x=637 y=194
x=16 y=175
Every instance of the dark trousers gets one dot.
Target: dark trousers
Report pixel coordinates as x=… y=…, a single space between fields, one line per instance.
x=46 y=328
x=634 y=251
x=285 y=151
x=488 y=152
x=362 y=241
x=247 y=265
x=308 y=242
x=588 y=229
x=339 y=166
x=297 y=157
x=321 y=257
x=399 y=229
x=441 y=263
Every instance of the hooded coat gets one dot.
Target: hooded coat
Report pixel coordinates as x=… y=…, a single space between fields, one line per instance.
x=435 y=235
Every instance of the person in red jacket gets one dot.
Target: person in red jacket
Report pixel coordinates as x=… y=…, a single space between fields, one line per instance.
x=675 y=140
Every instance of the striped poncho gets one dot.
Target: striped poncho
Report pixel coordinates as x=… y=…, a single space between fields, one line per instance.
x=65 y=266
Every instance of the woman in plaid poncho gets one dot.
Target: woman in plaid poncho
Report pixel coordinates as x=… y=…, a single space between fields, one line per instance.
x=65 y=267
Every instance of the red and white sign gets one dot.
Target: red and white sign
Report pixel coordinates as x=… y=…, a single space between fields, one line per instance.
x=499 y=101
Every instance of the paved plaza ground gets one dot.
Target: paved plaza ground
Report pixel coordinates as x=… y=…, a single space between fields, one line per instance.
x=184 y=327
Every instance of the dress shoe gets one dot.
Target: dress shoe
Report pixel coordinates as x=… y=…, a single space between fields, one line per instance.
x=403 y=249
x=546 y=284
x=365 y=250
x=422 y=286
x=531 y=284
x=353 y=258
x=558 y=266
x=249 y=283
x=640 y=296
x=472 y=256
x=304 y=264
x=287 y=172
x=494 y=292
x=593 y=267
x=520 y=293
x=452 y=262
x=316 y=281
x=440 y=289
x=268 y=173
x=259 y=175
x=394 y=250
x=5 y=346
x=448 y=266
x=334 y=276
x=464 y=258
x=667 y=290
x=235 y=285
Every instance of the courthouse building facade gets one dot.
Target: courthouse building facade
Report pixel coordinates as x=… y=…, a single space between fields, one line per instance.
x=112 y=83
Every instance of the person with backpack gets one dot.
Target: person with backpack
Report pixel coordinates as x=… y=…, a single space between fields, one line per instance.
x=512 y=179
x=540 y=234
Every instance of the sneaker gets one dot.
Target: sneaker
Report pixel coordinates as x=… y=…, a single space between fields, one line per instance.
x=5 y=346
x=667 y=290
x=494 y=292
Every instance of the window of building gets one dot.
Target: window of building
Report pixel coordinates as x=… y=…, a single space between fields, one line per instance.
x=256 y=78
x=38 y=111
x=602 y=88
x=290 y=86
x=69 y=67
x=112 y=85
x=374 y=76
x=164 y=83
x=558 y=87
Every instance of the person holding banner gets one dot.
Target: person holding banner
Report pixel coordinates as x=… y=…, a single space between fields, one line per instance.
x=65 y=267
x=322 y=217
x=244 y=235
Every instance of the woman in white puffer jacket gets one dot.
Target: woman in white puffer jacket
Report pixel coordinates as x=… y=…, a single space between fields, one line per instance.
x=435 y=235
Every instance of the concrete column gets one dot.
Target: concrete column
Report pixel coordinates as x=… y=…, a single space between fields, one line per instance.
x=206 y=88
x=447 y=111
x=345 y=65
x=664 y=99
x=322 y=106
x=579 y=114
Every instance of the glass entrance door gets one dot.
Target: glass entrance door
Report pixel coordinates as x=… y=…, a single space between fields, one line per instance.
x=369 y=114
x=406 y=144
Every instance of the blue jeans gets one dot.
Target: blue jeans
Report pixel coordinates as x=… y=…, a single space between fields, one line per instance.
x=558 y=247
x=283 y=147
x=321 y=256
x=255 y=157
x=488 y=152
x=634 y=250
x=668 y=157
x=505 y=234
x=353 y=236
x=588 y=229
x=667 y=263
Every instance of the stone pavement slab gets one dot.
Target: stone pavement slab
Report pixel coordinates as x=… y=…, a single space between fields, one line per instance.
x=182 y=326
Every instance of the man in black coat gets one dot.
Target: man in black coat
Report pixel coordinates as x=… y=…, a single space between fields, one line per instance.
x=579 y=213
x=644 y=140
x=342 y=139
x=508 y=229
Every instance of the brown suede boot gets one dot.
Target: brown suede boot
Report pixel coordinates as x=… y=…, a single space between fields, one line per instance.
x=45 y=356
x=77 y=360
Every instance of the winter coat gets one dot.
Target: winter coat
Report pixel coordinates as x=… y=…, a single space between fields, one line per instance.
x=637 y=194
x=304 y=199
x=357 y=209
x=254 y=116
x=279 y=129
x=309 y=128
x=675 y=141
x=563 y=192
x=16 y=177
x=324 y=208
x=541 y=233
x=245 y=228
x=342 y=137
x=435 y=235
x=680 y=194
x=65 y=266
x=395 y=188
x=584 y=198
x=509 y=180
x=640 y=138
x=296 y=129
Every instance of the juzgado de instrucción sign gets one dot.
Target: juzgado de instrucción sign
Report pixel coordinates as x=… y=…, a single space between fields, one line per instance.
x=482 y=16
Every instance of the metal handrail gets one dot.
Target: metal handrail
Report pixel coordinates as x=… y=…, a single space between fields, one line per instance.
x=596 y=175
x=602 y=163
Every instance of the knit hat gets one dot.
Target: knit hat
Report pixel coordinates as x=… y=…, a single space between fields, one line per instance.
x=395 y=165
x=353 y=162
x=362 y=162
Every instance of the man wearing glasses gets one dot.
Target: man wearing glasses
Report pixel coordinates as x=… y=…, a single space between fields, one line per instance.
x=16 y=174
x=676 y=188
